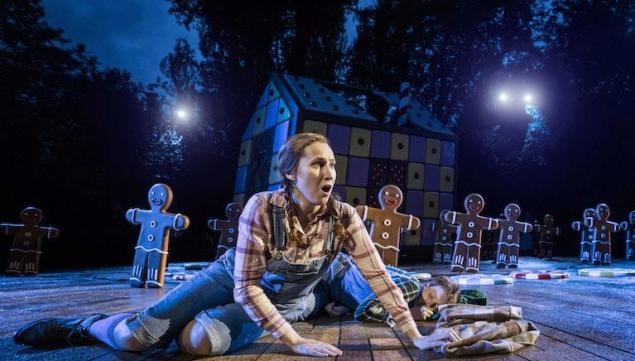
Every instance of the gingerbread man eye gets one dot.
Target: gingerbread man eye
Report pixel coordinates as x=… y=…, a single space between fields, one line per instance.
x=397 y=195
x=386 y=193
x=479 y=202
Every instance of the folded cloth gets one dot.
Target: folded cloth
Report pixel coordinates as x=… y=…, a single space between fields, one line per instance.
x=485 y=329
x=471 y=296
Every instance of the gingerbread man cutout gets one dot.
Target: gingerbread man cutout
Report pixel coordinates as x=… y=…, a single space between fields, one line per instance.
x=445 y=238
x=547 y=234
x=629 y=227
x=387 y=222
x=489 y=243
x=151 y=252
x=535 y=249
x=601 y=244
x=228 y=229
x=586 y=236
x=26 y=248
x=467 y=248
x=509 y=238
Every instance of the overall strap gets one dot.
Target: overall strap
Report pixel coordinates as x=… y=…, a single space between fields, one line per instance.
x=279 y=234
x=330 y=236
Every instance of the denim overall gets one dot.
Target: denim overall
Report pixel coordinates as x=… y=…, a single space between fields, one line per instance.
x=289 y=285
x=209 y=299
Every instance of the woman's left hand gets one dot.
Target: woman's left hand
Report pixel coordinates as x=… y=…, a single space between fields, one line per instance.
x=435 y=339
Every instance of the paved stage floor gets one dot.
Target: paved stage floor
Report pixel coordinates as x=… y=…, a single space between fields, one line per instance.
x=580 y=318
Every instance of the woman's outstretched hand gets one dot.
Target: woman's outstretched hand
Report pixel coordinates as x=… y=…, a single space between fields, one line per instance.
x=311 y=347
x=435 y=339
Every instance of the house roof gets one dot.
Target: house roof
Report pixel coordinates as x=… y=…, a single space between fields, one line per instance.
x=357 y=103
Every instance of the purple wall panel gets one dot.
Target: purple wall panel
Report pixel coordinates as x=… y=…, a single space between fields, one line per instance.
x=280 y=136
x=339 y=136
x=428 y=226
x=414 y=203
x=357 y=172
x=249 y=131
x=448 y=153
x=417 y=149
x=446 y=201
x=341 y=192
x=432 y=174
x=271 y=114
x=241 y=180
x=380 y=144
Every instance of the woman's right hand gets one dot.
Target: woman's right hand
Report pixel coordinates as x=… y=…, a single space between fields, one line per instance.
x=311 y=347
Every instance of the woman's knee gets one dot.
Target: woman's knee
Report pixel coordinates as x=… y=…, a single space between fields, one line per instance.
x=205 y=336
x=125 y=340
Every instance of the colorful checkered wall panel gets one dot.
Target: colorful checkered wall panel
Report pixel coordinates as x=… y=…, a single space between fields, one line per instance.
x=367 y=158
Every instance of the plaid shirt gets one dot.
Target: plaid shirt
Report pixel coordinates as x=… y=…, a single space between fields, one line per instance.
x=255 y=245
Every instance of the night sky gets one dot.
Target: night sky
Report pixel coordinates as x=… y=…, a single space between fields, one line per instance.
x=129 y=34
x=133 y=34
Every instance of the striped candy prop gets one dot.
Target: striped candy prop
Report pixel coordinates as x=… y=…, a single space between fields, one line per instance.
x=482 y=280
x=606 y=272
x=404 y=103
x=540 y=275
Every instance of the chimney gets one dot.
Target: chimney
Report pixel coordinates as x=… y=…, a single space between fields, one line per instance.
x=404 y=103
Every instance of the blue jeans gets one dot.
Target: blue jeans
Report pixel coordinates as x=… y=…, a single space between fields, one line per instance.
x=209 y=294
x=344 y=284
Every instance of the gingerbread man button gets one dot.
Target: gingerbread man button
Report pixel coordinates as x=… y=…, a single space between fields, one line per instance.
x=509 y=238
x=151 y=252
x=26 y=248
x=386 y=223
x=228 y=228
x=601 y=244
x=467 y=248
x=445 y=237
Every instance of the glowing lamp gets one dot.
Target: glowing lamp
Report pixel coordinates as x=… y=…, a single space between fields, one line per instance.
x=181 y=114
x=528 y=98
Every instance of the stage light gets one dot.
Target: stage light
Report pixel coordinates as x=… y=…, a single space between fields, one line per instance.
x=503 y=97
x=182 y=114
x=528 y=98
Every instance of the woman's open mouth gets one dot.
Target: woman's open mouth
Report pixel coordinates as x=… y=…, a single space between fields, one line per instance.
x=327 y=188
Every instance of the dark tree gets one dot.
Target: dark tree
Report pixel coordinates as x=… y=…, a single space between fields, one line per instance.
x=72 y=136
